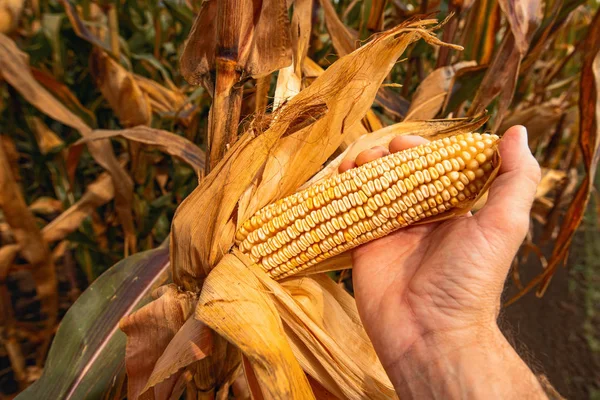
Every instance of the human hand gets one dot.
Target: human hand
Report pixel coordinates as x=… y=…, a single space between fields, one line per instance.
x=437 y=281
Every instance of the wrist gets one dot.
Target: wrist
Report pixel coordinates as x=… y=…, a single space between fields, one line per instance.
x=475 y=362
x=426 y=351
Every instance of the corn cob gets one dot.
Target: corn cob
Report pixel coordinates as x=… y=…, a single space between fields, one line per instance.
x=367 y=202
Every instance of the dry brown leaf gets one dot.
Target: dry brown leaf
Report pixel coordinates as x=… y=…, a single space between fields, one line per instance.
x=538 y=119
x=80 y=28
x=165 y=141
x=289 y=79
x=254 y=326
x=46 y=206
x=120 y=89
x=149 y=331
x=523 y=17
x=479 y=32
x=343 y=39
x=375 y=21
x=300 y=32
x=193 y=342
x=29 y=239
x=288 y=85
x=47 y=140
x=98 y=193
x=12 y=155
x=501 y=77
x=261 y=93
x=8 y=253
x=589 y=141
x=431 y=94
x=357 y=130
x=167 y=102
x=15 y=70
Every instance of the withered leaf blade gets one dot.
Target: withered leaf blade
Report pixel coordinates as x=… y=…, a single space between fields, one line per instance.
x=193 y=342
x=10 y=13
x=589 y=144
x=164 y=317
x=47 y=140
x=501 y=77
x=120 y=89
x=15 y=70
x=479 y=34
x=29 y=240
x=98 y=193
x=165 y=141
x=327 y=336
x=345 y=41
x=431 y=94
x=254 y=326
x=83 y=32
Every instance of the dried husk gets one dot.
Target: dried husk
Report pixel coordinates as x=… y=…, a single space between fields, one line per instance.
x=282 y=329
x=157 y=322
x=253 y=325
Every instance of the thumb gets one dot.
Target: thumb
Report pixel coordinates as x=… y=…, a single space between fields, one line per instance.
x=513 y=191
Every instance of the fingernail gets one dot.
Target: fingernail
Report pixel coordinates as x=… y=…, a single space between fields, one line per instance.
x=523 y=135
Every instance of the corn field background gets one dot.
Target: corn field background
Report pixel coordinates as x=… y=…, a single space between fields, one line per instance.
x=104 y=125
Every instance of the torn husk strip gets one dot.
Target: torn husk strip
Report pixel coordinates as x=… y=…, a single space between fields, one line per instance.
x=241 y=311
x=322 y=324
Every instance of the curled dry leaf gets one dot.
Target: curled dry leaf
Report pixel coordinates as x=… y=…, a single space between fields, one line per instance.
x=432 y=92
x=165 y=141
x=120 y=89
x=81 y=30
x=193 y=342
x=538 y=119
x=15 y=70
x=149 y=332
x=345 y=41
x=501 y=77
x=589 y=141
x=47 y=140
x=46 y=206
x=98 y=193
x=254 y=326
x=327 y=336
x=167 y=102
x=29 y=240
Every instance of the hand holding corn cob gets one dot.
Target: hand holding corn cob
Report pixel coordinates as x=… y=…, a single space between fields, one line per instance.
x=429 y=295
x=434 y=180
